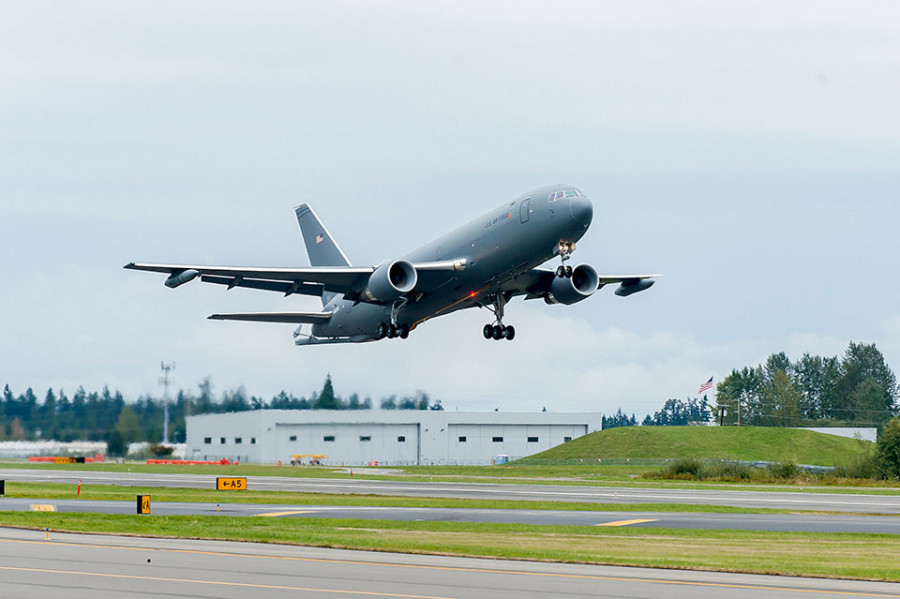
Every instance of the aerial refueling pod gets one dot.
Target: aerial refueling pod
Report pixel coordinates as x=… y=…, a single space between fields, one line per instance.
x=391 y=281
x=569 y=290
x=181 y=277
x=633 y=286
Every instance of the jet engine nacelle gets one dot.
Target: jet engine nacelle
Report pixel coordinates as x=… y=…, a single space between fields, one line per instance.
x=391 y=281
x=569 y=290
x=629 y=287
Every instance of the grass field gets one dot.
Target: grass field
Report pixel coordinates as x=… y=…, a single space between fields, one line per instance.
x=864 y=556
x=513 y=473
x=710 y=442
x=51 y=491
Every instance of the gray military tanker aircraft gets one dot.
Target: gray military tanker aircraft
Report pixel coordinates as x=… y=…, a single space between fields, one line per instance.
x=483 y=263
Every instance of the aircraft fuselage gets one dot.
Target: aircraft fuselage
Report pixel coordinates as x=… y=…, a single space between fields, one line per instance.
x=497 y=247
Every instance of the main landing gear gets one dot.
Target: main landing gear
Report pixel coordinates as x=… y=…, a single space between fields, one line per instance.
x=392 y=329
x=498 y=330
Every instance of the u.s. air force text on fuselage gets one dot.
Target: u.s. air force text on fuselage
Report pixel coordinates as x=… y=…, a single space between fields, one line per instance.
x=484 y=263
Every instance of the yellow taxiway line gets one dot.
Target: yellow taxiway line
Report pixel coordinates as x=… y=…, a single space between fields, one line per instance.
x=278 y=514
x=625 y=522
x=249 y=585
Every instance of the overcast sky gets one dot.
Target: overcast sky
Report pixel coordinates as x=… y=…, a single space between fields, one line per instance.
x=748 y=150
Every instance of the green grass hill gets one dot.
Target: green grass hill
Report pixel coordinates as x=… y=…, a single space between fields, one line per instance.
x=710 y=442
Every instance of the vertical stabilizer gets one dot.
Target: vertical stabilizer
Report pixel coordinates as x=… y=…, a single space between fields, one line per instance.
x=320 y=245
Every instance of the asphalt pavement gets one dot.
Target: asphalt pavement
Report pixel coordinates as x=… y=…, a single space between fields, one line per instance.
x=72 y=566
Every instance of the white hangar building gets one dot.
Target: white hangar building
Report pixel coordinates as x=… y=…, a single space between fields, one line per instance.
x=389 y=437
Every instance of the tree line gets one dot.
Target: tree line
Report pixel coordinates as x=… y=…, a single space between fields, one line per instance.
x=94 y=415
x=856 y=389
x=675 y=412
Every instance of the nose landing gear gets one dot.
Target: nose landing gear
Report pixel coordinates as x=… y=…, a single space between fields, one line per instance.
x=564 y=249
x=498 y=330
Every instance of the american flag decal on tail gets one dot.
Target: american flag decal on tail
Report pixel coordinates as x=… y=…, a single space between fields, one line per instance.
x=319 y=239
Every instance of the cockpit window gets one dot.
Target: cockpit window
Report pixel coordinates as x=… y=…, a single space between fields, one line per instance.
x=568 y=193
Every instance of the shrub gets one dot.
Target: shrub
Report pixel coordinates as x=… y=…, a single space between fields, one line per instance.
x=683 y=469
x=161 y=451
x=784 y=469
x=888 y=449
x=728 y=471
x=864 y=465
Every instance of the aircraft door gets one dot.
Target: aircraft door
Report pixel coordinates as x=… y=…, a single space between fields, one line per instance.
x=525 y=210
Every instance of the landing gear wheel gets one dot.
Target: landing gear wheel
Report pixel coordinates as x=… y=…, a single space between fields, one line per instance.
x=488 y=331
x=560 y=271
x=382 y=330
x=392 y=331
x=568 y=272
x=403 y=331
x=497 y=332
x=509 y=332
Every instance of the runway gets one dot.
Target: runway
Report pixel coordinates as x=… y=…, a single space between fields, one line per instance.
x=706 y=521
x=75 y=566
x=818 y=501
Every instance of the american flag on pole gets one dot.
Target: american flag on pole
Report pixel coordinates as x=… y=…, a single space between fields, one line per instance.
x=706 y=386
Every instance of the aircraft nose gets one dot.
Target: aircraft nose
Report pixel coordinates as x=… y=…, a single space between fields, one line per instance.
x=582 y=210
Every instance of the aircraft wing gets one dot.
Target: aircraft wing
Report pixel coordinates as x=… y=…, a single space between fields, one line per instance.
x=307 y=281
x=536 y=283
x=290 y=317
x=625 y=279
x=347 y=280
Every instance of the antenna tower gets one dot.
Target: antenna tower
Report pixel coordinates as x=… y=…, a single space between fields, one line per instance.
x=164 y=381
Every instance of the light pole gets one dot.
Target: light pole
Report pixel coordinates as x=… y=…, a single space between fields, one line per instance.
x=164 y=381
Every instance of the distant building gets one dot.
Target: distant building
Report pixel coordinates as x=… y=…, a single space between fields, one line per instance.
x=862 y=433
x=389 y=437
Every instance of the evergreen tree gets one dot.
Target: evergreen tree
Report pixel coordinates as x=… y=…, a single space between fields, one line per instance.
x=206 y=402
x=79 y=412
x=618 y=419
x=64 y=418
x=47 y=411
x=116 y=445
x=327 y=400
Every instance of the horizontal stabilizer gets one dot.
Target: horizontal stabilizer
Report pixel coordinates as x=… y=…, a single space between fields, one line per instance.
x=289 y=317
